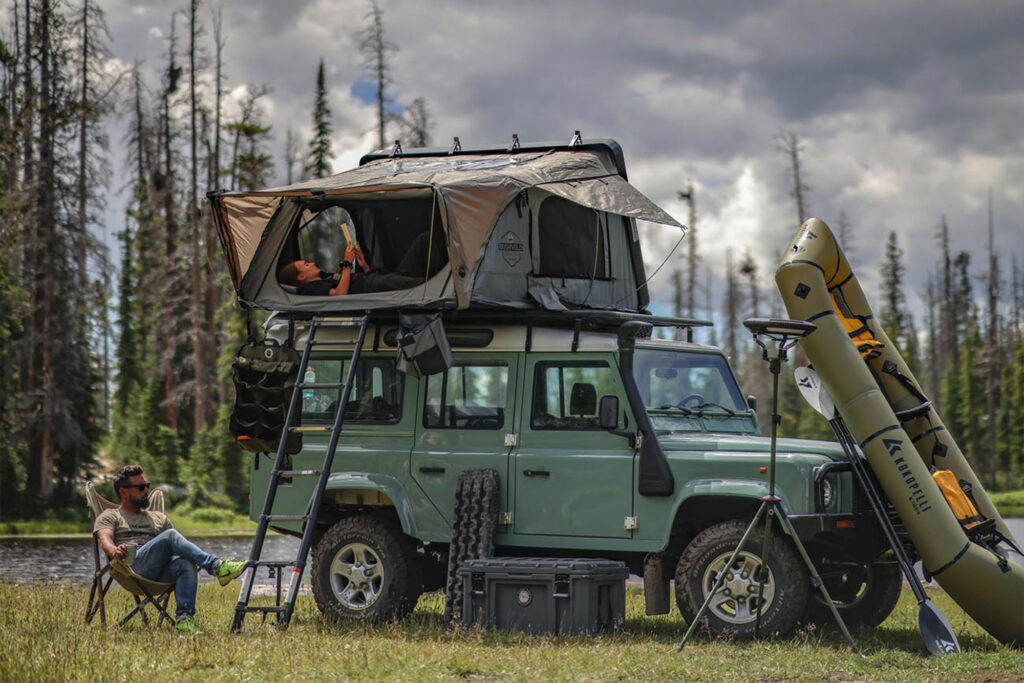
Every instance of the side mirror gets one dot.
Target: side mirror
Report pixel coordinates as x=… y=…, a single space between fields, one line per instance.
x=609 y=412
x=752 y=402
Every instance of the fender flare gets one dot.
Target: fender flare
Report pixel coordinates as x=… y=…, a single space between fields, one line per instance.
x=383 y=483
x=753 y=490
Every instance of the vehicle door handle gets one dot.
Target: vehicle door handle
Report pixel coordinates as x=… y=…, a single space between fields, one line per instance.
x=536 y=473
x=432 y=470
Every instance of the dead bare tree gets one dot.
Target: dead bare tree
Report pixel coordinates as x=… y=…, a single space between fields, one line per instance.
x=792 y=146
x=692 y=257
x=376 y=50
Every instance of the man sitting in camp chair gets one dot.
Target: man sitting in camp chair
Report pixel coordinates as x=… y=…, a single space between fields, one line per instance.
x=308 y=279
x=163 y=554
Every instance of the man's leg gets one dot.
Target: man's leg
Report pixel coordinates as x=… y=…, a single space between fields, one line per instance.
x=158 y=551
x=185 y=577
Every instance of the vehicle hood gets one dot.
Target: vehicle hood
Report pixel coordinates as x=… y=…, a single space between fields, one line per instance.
x=748 y=444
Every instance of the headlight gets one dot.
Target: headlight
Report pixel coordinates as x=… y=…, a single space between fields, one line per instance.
x=826 y=493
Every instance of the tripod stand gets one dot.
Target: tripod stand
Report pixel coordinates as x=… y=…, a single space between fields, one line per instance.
x=783 y=335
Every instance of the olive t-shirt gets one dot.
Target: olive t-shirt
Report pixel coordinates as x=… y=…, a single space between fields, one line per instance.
x=132 y=528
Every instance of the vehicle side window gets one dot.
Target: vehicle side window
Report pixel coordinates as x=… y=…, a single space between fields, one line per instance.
x=566 y=394
x=376 y=396
x=470 y=396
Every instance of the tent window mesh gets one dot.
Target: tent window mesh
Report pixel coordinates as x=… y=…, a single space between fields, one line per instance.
x=573 y=240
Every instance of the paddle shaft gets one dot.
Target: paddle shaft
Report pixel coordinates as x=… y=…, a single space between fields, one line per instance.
x=875 y=500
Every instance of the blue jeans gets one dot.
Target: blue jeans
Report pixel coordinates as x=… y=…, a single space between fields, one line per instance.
x=169 y=557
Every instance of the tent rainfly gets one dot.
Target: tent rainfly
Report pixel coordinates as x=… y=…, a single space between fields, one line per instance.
x=541 y=226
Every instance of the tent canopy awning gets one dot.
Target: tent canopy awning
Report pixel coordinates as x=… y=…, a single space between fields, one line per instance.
x=473 y=190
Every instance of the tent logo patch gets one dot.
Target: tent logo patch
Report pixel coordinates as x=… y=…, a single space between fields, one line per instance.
x=511 y=248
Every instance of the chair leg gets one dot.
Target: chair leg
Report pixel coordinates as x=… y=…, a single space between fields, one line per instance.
x=89 y=613
x=136 y=610
x=161 y=605
x=99 y=591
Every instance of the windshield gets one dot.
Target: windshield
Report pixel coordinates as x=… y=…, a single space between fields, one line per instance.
x=685 y=382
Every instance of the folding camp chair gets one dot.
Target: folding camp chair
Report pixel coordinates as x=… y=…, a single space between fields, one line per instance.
x=144 y=591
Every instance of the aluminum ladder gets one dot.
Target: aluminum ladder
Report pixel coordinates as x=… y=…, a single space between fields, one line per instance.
x=279 y=472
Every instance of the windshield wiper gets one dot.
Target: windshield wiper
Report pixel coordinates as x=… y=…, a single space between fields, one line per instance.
x=689 y=412
x=709 y=404
x=698 y=410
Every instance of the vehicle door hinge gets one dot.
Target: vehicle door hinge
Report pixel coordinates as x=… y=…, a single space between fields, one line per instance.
x=639 y=440
x=511 y=440
x=506 y=519
x=630 y=523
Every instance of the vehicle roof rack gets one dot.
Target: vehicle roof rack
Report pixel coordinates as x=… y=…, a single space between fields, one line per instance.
x=575 y=145
x=576 y=320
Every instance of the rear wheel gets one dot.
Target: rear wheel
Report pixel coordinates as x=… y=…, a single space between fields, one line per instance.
x=365 y=568
x=733 y=610
x=864 y=593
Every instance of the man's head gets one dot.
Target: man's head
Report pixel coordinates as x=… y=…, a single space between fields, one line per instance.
x=131 y=487
x=298 y=272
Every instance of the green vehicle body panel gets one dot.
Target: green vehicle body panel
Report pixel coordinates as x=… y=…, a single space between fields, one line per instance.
x=588 y=489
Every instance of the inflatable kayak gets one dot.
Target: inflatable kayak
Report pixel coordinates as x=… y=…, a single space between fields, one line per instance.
x=970 y=551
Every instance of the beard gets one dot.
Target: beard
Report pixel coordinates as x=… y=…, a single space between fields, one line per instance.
x=142 y=503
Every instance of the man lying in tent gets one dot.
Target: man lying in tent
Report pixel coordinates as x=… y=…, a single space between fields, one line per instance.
x=308 y=279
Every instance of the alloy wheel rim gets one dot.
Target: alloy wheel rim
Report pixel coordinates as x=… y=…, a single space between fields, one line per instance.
x=356 y=576
x=736 y=600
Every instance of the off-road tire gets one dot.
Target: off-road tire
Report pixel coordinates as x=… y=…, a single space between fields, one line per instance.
x=734 y=617
x=474 y=526
x=390 y=596
x=865 y=594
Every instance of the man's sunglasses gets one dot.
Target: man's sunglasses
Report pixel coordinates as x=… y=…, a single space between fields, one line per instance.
x=138 y=487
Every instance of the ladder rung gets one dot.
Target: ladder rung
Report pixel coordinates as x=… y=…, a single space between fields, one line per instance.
x=297 y=473
x=285 y=518
x=272 y=563
x=333 y=321
x=264 y=608
x=312 y=429
x=322 y=385
x=331 y=342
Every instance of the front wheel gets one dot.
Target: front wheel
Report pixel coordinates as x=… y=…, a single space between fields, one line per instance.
x=733 y=610
x=365 y=568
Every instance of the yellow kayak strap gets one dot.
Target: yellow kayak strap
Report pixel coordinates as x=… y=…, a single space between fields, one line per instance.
x=858 y=330
x=963 y=508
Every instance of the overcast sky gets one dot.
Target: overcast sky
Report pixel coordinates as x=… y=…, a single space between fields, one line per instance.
x=909 y=110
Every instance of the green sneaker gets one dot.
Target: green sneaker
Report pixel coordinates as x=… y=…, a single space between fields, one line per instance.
x=228 y=569
x=187 y=624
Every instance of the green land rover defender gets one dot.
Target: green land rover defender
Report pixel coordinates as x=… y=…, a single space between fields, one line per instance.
x=561 y=413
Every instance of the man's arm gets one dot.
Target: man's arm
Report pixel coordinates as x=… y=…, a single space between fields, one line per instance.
x=106 y=537
x=346 y=272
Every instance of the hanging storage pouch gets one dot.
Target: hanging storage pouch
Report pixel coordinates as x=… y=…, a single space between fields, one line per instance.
x=423 y=347
x=264 y=374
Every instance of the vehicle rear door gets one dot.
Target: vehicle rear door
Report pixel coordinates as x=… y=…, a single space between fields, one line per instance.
x=466 y=420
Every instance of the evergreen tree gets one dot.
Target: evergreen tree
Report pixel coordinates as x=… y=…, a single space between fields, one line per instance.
x=318 y=159
x=892 y=316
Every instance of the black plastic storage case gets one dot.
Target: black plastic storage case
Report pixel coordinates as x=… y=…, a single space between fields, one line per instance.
x=544 y=594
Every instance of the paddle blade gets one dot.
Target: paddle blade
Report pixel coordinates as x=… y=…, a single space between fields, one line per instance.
x=935 y=629
x=811 y=388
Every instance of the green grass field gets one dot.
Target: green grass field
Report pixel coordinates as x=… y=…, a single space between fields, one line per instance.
x=44 y=638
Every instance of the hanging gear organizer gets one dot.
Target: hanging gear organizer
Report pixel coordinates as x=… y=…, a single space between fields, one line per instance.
x=264 y=373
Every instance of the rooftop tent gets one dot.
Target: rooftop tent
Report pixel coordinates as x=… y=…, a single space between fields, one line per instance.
x=543 y=225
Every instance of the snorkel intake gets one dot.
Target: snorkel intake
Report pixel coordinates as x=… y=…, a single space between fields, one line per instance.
x=655 y=478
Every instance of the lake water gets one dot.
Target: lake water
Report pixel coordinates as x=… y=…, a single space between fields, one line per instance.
x=70 y=561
